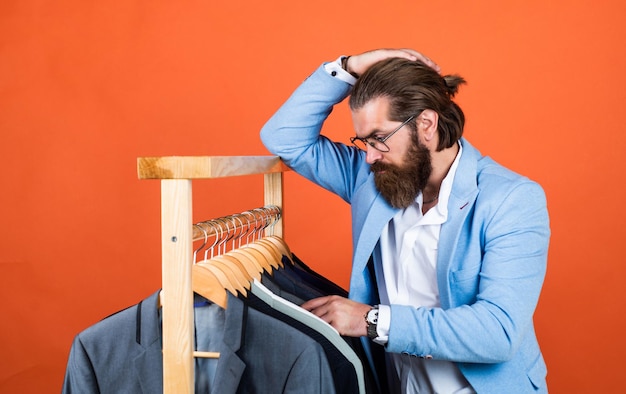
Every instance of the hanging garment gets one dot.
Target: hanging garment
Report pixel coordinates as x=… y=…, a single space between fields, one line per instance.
x=345 y=365
x=315 y=279
x=298 y=283
x=297 y=279
x=258 y=354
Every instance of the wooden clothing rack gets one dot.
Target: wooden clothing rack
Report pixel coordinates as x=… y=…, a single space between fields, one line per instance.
x=177 y=236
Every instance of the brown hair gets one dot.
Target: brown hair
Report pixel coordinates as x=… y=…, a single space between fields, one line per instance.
x=412 y=87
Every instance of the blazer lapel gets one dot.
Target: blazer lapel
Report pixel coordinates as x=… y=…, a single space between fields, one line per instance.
x=230 y=367
x=461 y=203
x=148 y=364
x=369 y=224
x=149 y=369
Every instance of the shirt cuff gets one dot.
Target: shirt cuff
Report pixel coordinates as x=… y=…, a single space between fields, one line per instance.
x=335 y=70
x=382 y=327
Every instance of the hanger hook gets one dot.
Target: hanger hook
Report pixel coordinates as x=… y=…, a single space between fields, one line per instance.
x=244 y=228
x=226 y=234
x=251 y=228
x=264 y=219
x=273 y=213
x=206 y=239
x=216 y=233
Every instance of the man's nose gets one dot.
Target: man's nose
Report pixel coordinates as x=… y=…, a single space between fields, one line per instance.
x=372 y=155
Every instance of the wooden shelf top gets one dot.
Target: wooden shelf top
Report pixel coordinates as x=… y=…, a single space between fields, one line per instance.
x=202 y=167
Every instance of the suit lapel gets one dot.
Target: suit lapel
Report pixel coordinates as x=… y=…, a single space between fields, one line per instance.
x=230 y=367
x=148 y=364
x=149 y=369
x=460 y=204
x=369 y=224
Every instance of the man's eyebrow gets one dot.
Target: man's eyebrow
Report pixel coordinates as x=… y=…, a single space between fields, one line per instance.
x=374 y=132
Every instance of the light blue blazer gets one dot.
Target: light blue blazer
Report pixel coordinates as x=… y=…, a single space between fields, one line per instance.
x=492 y=251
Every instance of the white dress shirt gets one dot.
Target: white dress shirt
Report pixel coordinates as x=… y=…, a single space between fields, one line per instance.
x=409 y=277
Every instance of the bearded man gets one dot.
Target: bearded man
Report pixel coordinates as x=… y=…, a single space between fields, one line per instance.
x=450 y=248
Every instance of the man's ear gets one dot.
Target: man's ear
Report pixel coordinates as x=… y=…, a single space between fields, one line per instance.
x=427 y=124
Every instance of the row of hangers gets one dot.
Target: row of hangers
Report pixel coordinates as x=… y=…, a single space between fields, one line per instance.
x=244 y=247
x=254 y=251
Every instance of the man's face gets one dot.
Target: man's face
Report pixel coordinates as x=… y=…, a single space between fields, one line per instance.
x=402 y=172
x=400 y=185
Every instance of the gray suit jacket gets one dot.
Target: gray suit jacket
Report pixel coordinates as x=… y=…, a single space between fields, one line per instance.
x=258 y=354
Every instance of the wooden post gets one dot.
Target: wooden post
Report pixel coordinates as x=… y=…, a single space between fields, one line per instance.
x=177 y=294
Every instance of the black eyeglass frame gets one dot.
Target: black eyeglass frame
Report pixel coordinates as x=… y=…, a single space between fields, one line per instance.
x=372 y=140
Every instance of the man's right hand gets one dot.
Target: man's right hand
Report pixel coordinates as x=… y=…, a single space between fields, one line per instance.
x=358 y=64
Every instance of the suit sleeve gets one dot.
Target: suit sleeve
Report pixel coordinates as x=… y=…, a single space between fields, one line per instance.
x=79 y=374
x=293 y=133
x=505 y=266
x=310 y=374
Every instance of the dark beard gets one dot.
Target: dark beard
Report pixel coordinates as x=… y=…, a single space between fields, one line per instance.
x=401 y=185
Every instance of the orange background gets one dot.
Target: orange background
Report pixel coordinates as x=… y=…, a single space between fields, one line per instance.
x=87 y=87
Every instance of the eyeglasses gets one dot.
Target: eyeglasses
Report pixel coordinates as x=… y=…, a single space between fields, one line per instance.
x=377 y=142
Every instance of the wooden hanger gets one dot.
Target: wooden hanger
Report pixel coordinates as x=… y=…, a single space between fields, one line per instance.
x=281 y=245
x=264 y=251
x=251 y=263
x=245 y=264
x=205 y=283
x=256 y=256
x=259 y=218
x=234 y=275
x=278 y=255
x=249 y=270
x=225 y=281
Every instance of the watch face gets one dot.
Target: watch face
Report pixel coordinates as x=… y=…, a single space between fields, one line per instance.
x=372 y=322
x=372 y=316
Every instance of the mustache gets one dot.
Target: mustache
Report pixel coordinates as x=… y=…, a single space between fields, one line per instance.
x=378 y=166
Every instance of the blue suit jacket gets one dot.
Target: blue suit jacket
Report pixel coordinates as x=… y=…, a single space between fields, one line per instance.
x=492 y=251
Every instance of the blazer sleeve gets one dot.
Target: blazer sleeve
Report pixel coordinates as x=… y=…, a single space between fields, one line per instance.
x=293 y=133
x=79 y=374
x=310 y=374
x=502 y=250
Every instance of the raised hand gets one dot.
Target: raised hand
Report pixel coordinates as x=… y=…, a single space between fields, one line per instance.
x=358 y=64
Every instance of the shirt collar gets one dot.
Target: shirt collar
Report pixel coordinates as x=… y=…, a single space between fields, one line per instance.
x=446 y=188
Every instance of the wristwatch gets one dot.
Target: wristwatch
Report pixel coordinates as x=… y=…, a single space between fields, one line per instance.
x=371 y=318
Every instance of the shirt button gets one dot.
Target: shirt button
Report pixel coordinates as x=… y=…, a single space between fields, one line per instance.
x=428 y=357
x=333 y=73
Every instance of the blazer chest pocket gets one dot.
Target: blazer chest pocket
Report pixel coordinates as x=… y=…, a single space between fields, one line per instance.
x=464 y=285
